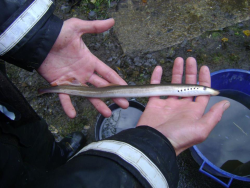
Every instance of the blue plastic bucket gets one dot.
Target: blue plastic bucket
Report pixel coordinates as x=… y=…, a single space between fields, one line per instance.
x=235 y=79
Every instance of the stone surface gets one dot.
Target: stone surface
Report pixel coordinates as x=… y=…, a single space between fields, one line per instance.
x=65 y=8
x=92 y=15
x=157 y=24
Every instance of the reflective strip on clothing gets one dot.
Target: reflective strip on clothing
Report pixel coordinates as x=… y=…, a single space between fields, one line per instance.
x=7 y=113
x=23 y=24
x=132 y=156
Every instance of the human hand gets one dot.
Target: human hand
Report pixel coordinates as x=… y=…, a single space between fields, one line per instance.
x=183 y=121
x=70 y=60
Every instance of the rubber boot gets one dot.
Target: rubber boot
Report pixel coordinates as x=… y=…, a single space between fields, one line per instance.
x=66 y=148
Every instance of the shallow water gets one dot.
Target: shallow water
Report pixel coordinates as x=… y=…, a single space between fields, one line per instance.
x=228 y=143
x=120 y=120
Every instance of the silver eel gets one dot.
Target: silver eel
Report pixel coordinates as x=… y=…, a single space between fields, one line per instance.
x=117 y=91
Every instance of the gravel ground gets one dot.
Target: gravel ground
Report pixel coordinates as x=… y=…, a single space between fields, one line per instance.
x=209 y=49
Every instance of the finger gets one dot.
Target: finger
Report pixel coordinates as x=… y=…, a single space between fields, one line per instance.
x=156 y=75
x=177 y=73
x=67 y=105
x=107 y=73
x=191 y=74
x=101 y=107
x=99 y=82
x=205 y=80
x=96 y=26
x=108 y=76
x=211 y=118
x=156 y=78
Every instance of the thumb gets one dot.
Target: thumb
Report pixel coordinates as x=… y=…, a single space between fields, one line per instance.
x=213 y=116
x=96 y=26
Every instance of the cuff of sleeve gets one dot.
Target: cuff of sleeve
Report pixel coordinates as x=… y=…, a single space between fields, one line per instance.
x=30 y=55
x=157 y=148
x=151 y=143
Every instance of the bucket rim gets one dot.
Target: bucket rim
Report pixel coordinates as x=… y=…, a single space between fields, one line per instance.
x=219 y=170
x=113 y=106
x=230 y=70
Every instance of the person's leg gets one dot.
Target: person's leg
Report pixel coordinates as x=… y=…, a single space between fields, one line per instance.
x=11 y=165
x=24 y=131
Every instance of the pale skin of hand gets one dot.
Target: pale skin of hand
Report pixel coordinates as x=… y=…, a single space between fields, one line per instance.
x=182 y=120
x=70 y=59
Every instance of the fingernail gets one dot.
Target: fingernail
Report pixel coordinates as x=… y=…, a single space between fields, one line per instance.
x=226 y=106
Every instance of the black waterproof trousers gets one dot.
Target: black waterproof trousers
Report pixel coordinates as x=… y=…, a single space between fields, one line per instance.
x=25 y=143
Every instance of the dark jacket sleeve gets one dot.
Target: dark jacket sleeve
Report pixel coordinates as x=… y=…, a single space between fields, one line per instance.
x=100 y=168
x=28 y=30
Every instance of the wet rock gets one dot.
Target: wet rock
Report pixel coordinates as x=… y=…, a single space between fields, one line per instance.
x=92 y=15
x=231 y=32
x=105 y=34
x=65 y=8
x=158 y=33
x=146 y=76
x=113 y=4
x=170 y=30
x=119 y=72
x=149 y=56
x=230 y=16
x=129 y=61
x=138 y=61
x=150 y=62
x=195 y=42
x=129 y=72
x=131 y=83
x=110 y=59
x=240 y=25
x=169 y=60
x=97 y=46
x=184 y=43
x=118 y=63
x=212 y=46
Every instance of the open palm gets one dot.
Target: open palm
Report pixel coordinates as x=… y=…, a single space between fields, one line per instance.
x=71 y=62
x=182 y=120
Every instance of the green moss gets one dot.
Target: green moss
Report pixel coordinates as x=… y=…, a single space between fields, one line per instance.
x=234 y=58
x=216 y=34
x=218 y=58
x=201 y=58
x=100 y=7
